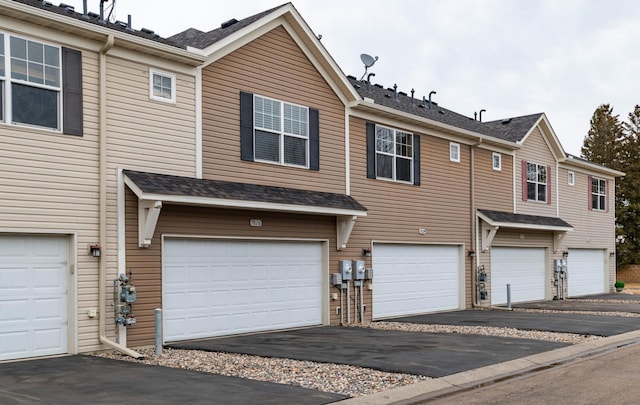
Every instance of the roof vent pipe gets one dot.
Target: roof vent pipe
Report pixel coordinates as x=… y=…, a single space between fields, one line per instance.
x=84 y=8
x=412 y=92
x=430 y=94
x=102 y=9
x=129 y=27
x=395 y=91
x=475 y=116
x=481 y=111
x=369 y=81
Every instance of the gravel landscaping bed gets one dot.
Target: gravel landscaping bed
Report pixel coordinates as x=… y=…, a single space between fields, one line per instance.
x=341 y=379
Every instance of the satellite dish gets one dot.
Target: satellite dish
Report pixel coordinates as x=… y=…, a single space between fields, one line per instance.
x=368 y=61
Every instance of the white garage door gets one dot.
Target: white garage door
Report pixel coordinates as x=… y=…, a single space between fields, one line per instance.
x=523 y=268
x=224 y=287
x=587 y=274
x=415 y=279
x=33 y=296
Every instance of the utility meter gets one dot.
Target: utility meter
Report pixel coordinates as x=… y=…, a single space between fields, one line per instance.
x=358 y=270
x=127 y=293
x=345 y=270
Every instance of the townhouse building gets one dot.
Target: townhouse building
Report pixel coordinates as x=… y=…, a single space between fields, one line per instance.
x=228 y=176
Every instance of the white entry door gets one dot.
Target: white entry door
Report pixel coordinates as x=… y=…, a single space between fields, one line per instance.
x=523 y=269
x=223 y=287
x=415 y=279
x=33 y=296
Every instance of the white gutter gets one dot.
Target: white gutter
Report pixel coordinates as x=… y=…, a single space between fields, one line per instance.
x=102 y=219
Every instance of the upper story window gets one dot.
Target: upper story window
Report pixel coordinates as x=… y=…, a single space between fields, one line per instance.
x=454 y=152
x=40 y=85
x=276 y=131
x=394 y=154
x=281 y=132
x=571 y=178
x=162 y=86
x=536 y=182
x=598 y=194
x=496 y=160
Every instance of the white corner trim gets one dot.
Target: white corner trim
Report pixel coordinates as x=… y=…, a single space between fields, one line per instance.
x=198 y=140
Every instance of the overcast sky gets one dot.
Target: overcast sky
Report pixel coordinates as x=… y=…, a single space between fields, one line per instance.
x=510 y=57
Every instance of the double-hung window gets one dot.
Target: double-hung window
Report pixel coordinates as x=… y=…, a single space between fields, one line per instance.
x=35 y=85
x=394 y=154
x=536 y=182
x=598 y=194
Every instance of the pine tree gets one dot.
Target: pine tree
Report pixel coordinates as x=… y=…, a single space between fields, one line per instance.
x=604 y=139
x=628 y=194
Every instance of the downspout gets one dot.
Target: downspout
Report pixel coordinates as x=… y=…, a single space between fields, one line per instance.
x=347 y=152
x=102 y=219
x=474 y=258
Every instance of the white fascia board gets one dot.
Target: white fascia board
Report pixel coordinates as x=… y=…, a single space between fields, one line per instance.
x=122 y=39
x=514 y=225
x=250 y=205
x=362 y=106
x=589 y=167
x=554 y=144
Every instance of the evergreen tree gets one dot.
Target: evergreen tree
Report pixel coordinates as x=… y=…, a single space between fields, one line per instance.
x=628 y=194
x=604 y=139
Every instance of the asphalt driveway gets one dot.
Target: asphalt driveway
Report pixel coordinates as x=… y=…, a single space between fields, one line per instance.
x=429 y=354
x=93 y=380
x=551 y=322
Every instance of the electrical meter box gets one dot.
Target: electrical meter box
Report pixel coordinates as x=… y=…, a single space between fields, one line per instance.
x=560 y=265
x=346 y=270
x=358 y=270
x=127 y=293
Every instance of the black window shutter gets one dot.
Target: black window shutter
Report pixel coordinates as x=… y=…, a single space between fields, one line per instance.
x=314 y=139
x=246 y=126
x=371 y=150
x=416 y=160
x=72 y=92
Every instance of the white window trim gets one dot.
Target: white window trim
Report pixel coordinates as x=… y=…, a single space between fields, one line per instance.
x=171 y=76
x=454 y=146
x=571 y=178
x=7 y=104
x=546 y=184
x=593 y=207
x=495 y=155
x=281 y=133
x=395 y=156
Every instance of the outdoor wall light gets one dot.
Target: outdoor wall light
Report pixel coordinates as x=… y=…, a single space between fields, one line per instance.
x=472 y=253
x=612 y=253
x=366 y=252
x=95 y=250
x=565 y=254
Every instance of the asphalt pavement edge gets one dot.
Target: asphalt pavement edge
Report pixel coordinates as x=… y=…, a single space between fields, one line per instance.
x=493 y=373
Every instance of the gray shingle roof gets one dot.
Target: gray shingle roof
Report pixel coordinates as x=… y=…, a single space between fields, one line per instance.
x=79 y=16
x=187 y=186
x=198 y=39
x=512 y=131
x=507 y=217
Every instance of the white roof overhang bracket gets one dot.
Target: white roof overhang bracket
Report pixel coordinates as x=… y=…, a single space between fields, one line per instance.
x=488 y=233
x=558 y=238
x=148 y=214
x=344 y=226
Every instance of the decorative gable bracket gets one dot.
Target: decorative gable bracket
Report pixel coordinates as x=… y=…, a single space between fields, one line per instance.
x=344 y=226
x=148 y=214
x=488 y=233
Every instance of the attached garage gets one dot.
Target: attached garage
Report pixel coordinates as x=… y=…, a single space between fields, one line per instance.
x=414 y=279
x=215 y=287
x=523 y=268
x=33 y=296
x=587 y=272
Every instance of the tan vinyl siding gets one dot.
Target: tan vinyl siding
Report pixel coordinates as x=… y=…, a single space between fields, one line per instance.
x=493 y=188
x=271 y=66
x=49 y=184
x=397 y=211
x=592 y=229
x=537 y=151
x=210 y=222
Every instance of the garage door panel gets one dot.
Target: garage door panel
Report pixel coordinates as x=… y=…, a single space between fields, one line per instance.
x=33 y=296
x=523 y=269
x=587 y=272
x=413 y=279
x=240 y=286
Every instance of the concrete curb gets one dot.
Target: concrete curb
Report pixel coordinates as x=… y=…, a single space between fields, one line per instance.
x=493 y=373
